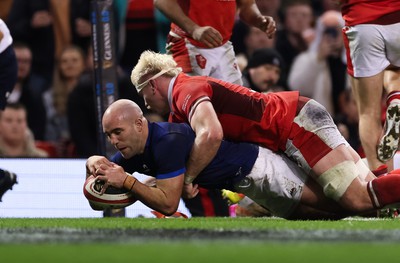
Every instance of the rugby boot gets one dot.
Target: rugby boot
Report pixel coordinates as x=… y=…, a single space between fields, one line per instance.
x=389 y=142
x=7 y=180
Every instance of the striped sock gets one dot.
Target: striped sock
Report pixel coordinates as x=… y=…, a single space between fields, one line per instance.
x=392 y=96
x=384 y=190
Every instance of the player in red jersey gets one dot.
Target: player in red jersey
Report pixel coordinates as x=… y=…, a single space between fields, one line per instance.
x=286 y=122
x=201 y=30
x=371 y=35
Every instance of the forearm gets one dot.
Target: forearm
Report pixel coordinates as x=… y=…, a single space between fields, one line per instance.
x=172 y=10
x=163 y=197
x=250 y=14
x=156 y=198
x=203 y=152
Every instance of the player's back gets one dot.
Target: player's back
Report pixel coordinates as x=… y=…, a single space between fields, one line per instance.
x=165 y=153
x=245 y=115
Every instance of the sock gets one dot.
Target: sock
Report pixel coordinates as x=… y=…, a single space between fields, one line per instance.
x=381 y=170
x=384 y=190
x=391 y=96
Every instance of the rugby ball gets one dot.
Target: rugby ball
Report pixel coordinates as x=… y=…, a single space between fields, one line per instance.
x=112 y=198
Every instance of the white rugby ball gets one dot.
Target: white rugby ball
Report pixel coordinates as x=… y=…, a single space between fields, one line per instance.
x=112 y=198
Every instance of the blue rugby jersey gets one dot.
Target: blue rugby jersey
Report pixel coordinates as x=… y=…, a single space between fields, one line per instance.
x=167 y=151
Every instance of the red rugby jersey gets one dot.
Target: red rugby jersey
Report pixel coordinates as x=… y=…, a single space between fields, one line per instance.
x=219 y=14
x=370 y=11
x=245 y=115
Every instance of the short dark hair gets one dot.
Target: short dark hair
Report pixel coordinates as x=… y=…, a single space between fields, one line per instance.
x=15 y=106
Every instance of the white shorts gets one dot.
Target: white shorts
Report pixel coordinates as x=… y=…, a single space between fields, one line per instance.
x=275 y=182
x=371 y=48
x=219 y=62
x=7 y=40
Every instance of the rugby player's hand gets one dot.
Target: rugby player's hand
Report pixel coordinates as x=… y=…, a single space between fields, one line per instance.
x=190 y=190
x=207 y=35
x=268 y=26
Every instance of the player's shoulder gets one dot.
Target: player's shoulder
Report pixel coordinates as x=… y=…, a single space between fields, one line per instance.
x=186 y=80
x=164 y=128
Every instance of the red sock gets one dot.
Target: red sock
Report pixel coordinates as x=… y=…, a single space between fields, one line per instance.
x=391 y=96
x=384 y=190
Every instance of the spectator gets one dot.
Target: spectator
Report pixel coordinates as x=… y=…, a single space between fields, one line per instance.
x=348 y=116
x=48 y=26
x=264 y=71
x=81 y=109
x=320 y=72
x=291 y=38
x=321 y=6
x=29 y=90
x=69 y=68
x=16 y=140
x=253 y=39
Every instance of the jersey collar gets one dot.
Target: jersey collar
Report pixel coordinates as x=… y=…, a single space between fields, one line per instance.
x=170 y=89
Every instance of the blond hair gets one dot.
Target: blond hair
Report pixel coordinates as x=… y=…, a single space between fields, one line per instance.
x=151 y=62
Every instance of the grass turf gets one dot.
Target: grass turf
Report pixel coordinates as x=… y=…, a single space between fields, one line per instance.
x=214 y=249
x=200 y=252
x=200 y=223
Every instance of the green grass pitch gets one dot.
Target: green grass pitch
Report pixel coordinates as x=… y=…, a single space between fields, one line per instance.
x=198 y=240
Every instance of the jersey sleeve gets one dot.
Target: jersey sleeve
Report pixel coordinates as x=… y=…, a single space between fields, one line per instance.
x=188 y=96
x=170 y=155
x=116 y=158
x=131 y=165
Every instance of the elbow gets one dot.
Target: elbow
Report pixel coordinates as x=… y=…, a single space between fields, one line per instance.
x=169 y=206
x=215 y=137
x=215 y=142
x=169 y=210
x=209 y=139
x=219 y=135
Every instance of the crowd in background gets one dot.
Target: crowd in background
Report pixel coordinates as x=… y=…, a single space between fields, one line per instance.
x=52 y=41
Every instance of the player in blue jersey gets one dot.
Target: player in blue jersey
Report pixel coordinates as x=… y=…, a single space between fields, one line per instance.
x=8 y=78
x=8 y=65
x=162 y=150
